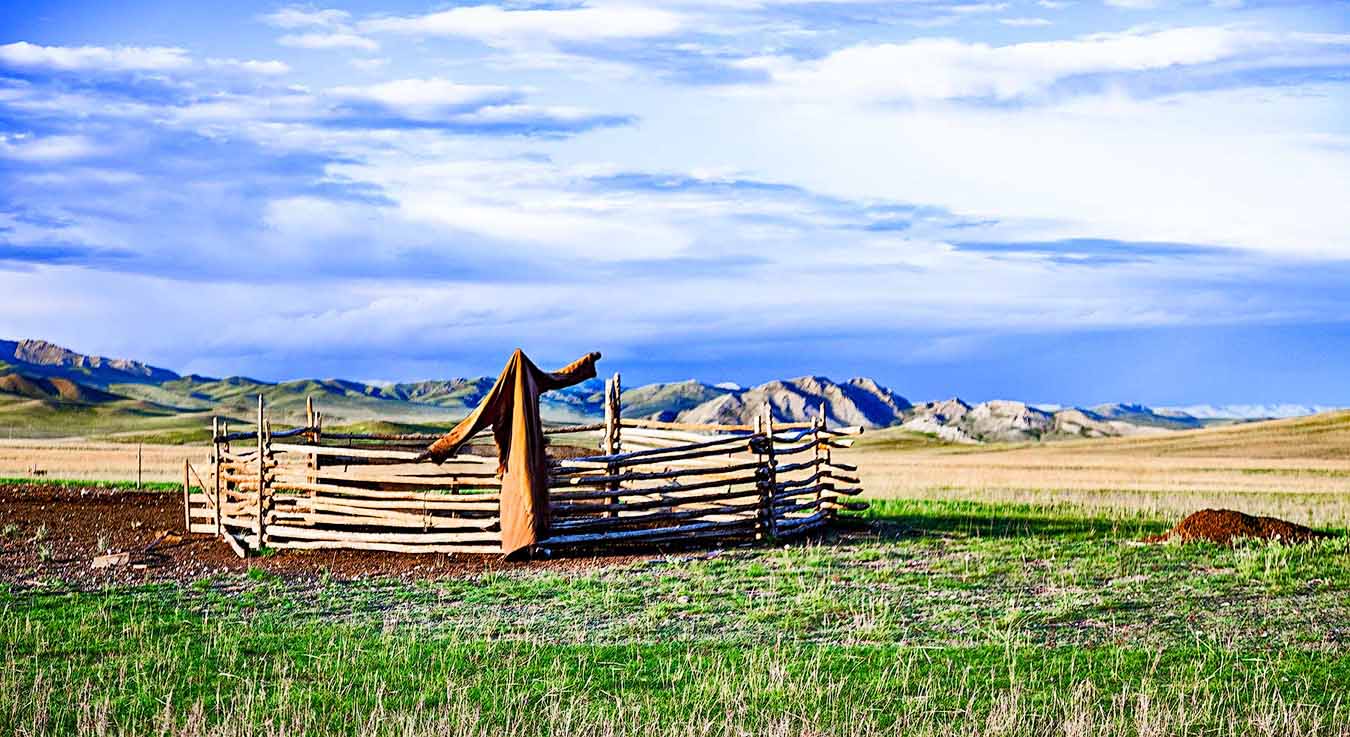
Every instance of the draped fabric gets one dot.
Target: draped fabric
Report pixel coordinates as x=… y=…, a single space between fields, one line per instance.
x=511 y=407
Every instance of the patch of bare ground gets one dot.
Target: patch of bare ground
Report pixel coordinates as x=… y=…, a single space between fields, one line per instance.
x=55 y=533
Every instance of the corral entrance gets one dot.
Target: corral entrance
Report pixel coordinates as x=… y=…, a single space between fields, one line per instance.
x=650 y=483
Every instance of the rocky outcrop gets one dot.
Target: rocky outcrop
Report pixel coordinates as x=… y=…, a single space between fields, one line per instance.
x=667 y=401
x=1084 y=424
x=1009 y=421
x=1140 y=415
x=41 y=358
x=859 y=401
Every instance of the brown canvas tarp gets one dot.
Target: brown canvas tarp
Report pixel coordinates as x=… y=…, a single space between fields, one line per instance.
x=511 y=407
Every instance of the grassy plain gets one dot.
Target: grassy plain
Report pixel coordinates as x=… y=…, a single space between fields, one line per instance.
x=941 y=618
x=977 y=602
x=81 y=460
x=1298 y=469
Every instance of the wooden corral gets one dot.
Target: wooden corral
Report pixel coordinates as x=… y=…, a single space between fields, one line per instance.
x=652 y=483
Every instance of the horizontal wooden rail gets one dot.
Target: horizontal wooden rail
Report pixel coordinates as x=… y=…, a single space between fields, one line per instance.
x=653 y=475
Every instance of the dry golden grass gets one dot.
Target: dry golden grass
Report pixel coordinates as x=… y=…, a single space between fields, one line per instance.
x=70 y=459
x=1297 y=469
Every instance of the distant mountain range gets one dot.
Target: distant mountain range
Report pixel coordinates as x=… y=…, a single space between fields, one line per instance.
x=46 y=387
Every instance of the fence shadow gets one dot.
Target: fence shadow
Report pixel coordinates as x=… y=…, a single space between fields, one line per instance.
x=883 y=524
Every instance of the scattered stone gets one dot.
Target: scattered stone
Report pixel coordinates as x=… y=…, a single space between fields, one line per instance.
x=111 y=559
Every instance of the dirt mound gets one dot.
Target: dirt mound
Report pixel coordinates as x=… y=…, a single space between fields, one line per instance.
x=1225 y=526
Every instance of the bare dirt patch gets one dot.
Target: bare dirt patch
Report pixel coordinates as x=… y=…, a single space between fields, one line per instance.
x=1226 y=526
x=55 y=533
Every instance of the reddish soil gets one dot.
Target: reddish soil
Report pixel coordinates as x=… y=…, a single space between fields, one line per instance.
x=1225 y=526
x=52 y=532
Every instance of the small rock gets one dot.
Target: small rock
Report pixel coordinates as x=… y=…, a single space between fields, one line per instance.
x=111 y=559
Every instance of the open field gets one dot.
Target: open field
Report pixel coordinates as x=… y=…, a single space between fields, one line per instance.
x=1008 y=595
x=75 y=459
x=932 y=618
x=1297 y=469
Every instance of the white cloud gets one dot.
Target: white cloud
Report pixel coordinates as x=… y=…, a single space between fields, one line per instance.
x=124 y=59
x=1233 y=168
x=93 y=58
x=334 y=40
x=424 y=98
x=318 y=29
x=1054 y=4
x=1134 y=4
x=369 y=65
x=269 y=68
x=1025 y=22
x=301 y=17
x=494 y=24
x=47 y=148
x=943 y=69
x=976 y=8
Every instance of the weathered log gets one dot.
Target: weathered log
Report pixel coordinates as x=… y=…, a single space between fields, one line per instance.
x=676 y=436
x=413 y=538
x=326 y=450
x=563 y=510
x=653 y=475
x=650 y=458
x=650 y=490
x=463 y=501
x=419 y=523
x=649 y=534
x=745 y=511
x=660 y=425
x=482 y=549
x=795 y=525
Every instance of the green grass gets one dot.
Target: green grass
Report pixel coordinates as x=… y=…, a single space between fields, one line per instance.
x=34 y=418
x=944 y=618
x=88 y=484
x=897 y=439
x=197 y=434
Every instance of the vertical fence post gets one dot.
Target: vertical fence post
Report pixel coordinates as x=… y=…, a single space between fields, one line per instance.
x=817 y=425
x=312 y=435
x=224 y=447
x=187 y=496
x=823 y=447
x=262 y=468
x=772 y=465
x=761 y=474
x=318 y=438
x=613 y=410
x=215 y=463
x=138 y=466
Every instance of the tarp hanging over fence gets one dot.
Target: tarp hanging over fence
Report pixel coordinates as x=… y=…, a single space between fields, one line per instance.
x=511 y=407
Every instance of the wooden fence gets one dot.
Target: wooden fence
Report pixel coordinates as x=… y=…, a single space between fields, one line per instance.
x=652 y=483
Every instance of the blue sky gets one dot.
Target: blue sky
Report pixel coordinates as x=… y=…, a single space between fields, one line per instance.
x=1052 y=200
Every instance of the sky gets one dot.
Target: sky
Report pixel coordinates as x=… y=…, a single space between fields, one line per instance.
x=1068 y=201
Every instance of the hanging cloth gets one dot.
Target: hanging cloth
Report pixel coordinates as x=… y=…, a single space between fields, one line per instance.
x=511 y=407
